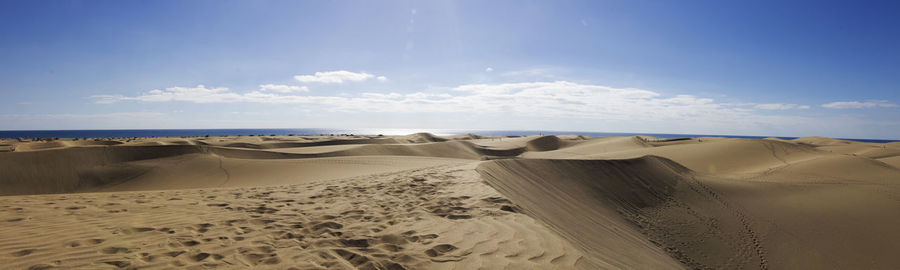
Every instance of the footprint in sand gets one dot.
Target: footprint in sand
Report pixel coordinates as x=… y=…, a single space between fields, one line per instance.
x=440 y=250
x=174 y=254
x=393 y=239
x=115 y=250
x=359 y=243
x=23 y=252
x=328 y=225
x=190 y=243
x=259 y=255
x=138 y=230
x=119 y=264
x=202 y=228
x=41 y=267
x=422 y=239
x=200 y=256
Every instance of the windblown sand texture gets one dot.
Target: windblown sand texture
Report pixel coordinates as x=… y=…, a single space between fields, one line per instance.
x=455 y=202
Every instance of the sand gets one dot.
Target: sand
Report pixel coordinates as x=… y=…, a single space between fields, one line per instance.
x=453 y=202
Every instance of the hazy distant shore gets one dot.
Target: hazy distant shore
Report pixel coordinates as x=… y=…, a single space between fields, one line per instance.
x=126 y=133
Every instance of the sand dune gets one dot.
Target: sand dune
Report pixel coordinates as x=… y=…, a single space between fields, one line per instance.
x=73 y=169
x=467 y=136
x=822 y=141
x=316 y=149
x=422 y=137
x=447 y=149
x=36 y=146
x=524 y=144
x=450 y=149
x=458 y=202
x=617 y=209
x=594 y=146
x=721 y=156
x=893 y=161
x=67 y=170
x=565 y=195
x=440 y=217
x=167 y=167
x=213 y=171
x=875 y=151
x=543 y=143
x=836 y=169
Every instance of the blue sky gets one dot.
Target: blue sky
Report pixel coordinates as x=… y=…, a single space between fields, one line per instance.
x=711 y=67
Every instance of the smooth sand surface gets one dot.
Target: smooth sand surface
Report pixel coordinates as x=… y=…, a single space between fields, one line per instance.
x=454 y=202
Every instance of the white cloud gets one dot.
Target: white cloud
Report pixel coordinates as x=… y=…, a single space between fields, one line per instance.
x=283 y=88
x=859 y=105
x=381 y=78
x=339 y=76
x=488 y=69
x=584 y=22
x=543 y=99
x=567 y=105
x=198 y=94
x=203 y=94
x=544 y=74
x=780 y=106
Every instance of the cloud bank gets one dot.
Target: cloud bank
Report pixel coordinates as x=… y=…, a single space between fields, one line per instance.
x=534 y=99
x=859 y=105
x=283 y=88
x=558 y=104
x=780 y=106
x=339 y=76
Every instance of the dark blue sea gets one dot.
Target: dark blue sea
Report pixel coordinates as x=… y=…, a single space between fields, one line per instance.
x=119 y=133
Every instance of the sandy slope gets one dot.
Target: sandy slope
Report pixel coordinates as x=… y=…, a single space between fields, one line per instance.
x=442 y=217
x=738 y=203
x=418 y=201
x=704 y=221
x=75 y=169
x=561 y=193
x=893 y=161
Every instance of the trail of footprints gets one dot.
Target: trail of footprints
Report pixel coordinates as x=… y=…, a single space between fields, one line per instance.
x=677 y=216
x=300 y=226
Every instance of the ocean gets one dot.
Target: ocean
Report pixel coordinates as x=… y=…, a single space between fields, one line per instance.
x=119 y=133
